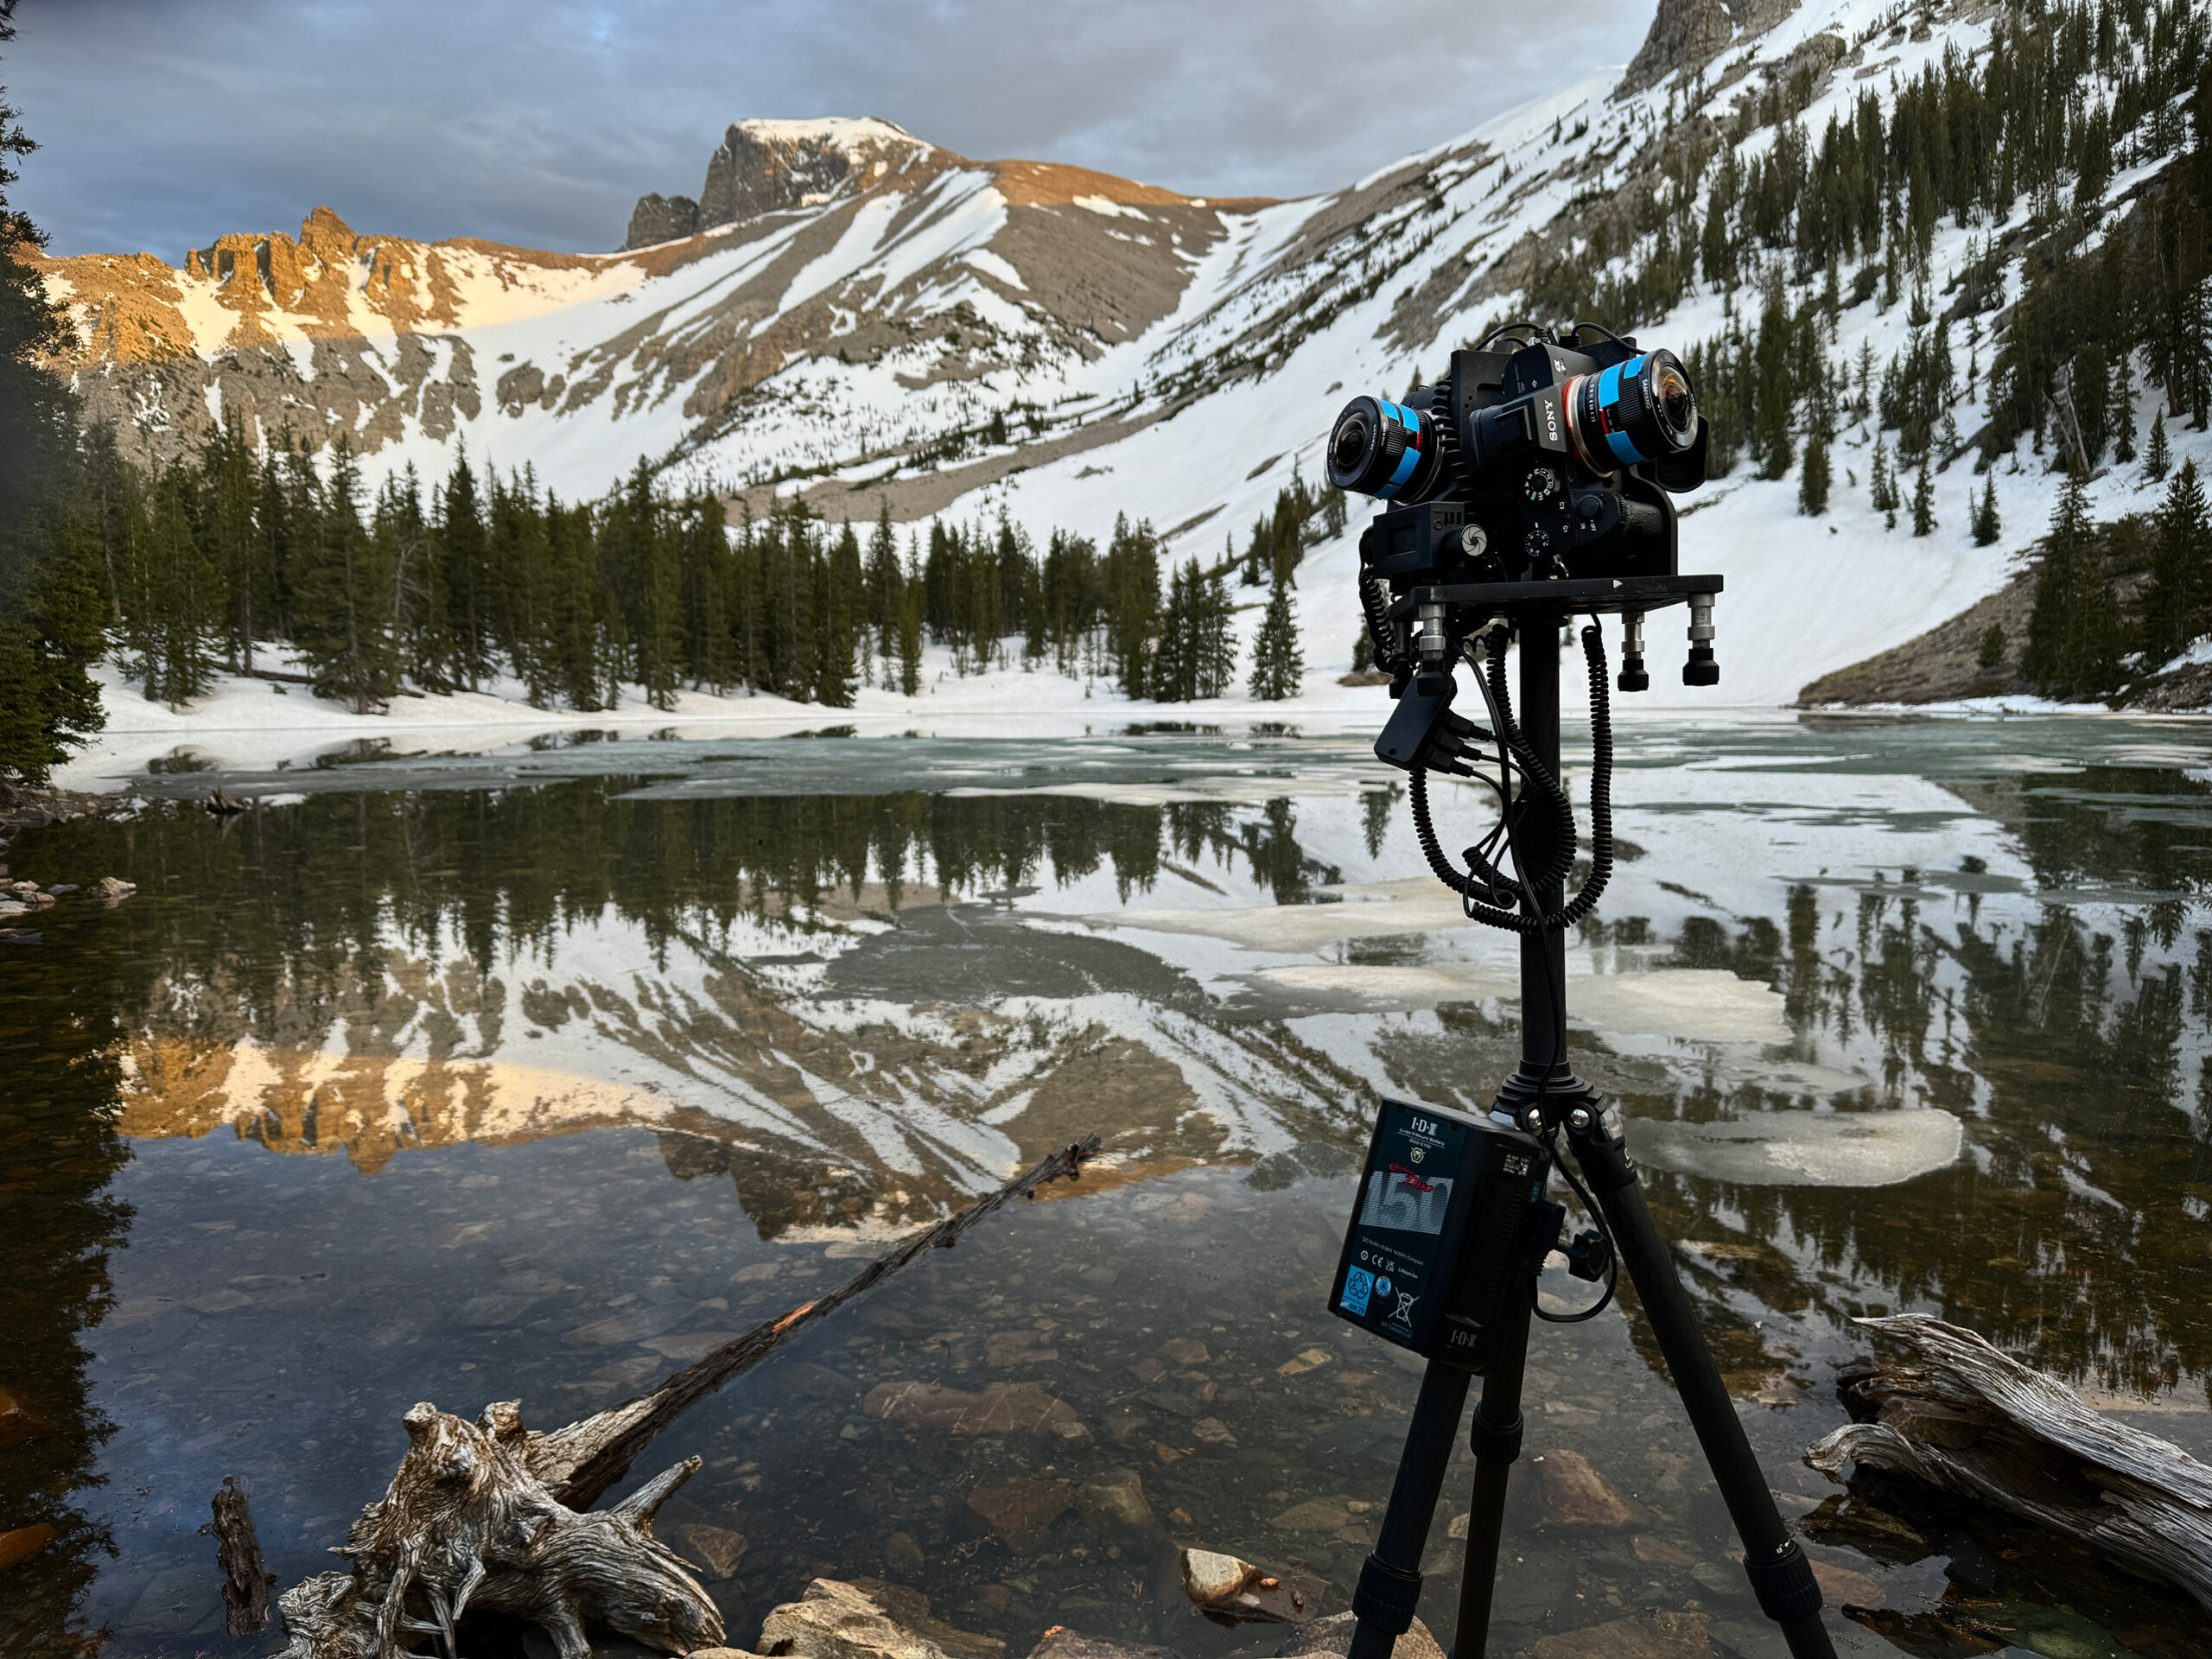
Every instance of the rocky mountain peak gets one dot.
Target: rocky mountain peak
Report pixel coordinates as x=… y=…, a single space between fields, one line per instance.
x=765 y=167
x=1686 y=35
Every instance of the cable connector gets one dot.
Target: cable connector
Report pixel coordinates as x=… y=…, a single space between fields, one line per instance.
x=1590 y=1258
x=1424 y=734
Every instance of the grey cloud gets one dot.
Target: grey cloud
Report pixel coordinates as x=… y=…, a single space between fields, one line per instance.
x=164 y=123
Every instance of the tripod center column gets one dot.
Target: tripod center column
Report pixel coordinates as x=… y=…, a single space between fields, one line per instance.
x=1543 y=953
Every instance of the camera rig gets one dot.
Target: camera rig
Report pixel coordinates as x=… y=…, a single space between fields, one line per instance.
x=1531 y=484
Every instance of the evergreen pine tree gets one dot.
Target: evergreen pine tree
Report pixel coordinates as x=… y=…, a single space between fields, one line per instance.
x=1924 y=500
x=2073 y=648
x=1813 y=481
x=1884 y=487
x=343 y=627
x=228 y=487
x=1171 y=676
x=53 y=546
x=2177 y=601
x=470 y=581
x=419 y=603
x=2158 y=457
x=838 y=673
x=1987 y=527
x=1990 y=654
x=703 y=536
x=1132 y=604
x=1217 y=639
x=980 y=597
x=176 y=618
x=886 y=582
x=2122 y=419
x=909 y=638
x=1278 y=666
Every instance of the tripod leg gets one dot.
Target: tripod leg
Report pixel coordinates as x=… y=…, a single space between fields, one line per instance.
x=1781 y=1575
x=1496 y=1441
x=1389 y=1583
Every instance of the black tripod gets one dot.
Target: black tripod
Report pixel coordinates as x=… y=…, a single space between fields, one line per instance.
x=1544 y=1096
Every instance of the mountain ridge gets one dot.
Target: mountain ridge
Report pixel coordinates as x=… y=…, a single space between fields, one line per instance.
x=1011 y=337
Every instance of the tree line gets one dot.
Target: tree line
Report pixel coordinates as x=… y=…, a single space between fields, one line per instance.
x=487 y=578
x=484 y=581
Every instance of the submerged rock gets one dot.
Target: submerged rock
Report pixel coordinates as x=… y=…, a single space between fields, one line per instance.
x=1117 y=1498
x=1021 y=1511
x=718 y=1548
x=1661 y=1635
x=1002 y=1408
x=1573 y=1494
x=1208 y=1574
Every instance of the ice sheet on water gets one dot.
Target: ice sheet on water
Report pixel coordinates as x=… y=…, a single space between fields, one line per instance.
x=1709 y=1005
x=1804 y=1148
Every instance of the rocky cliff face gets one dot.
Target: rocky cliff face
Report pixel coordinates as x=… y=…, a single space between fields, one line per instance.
x=768 y=167
x=661 y=218
x=1687 y=34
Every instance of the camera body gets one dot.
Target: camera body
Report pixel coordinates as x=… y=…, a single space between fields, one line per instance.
x=1552 y=496
x=1535 y=476
x=1449 y=1225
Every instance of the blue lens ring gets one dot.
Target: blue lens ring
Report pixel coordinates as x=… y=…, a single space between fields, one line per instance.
x=1411 y=459
x=1609 y=398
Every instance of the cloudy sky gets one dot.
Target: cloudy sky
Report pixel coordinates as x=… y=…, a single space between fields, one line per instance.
x=163 y=122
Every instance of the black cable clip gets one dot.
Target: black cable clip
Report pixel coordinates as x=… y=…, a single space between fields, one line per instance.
x=1590 y=1258
x=1423 y=734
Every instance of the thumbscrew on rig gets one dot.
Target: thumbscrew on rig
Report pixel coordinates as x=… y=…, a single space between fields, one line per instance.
x=1632 y=675
x=1702 y=668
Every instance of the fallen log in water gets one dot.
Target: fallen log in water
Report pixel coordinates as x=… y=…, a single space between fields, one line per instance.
x=1954 y=1412
x=492 y=1516
x=237 y=1551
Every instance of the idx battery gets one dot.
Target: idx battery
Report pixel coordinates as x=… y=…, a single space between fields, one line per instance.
x=1446 y=1229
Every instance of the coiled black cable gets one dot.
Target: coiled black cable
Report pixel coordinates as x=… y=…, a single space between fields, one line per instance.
x=1481 y=888
x=1564 y=837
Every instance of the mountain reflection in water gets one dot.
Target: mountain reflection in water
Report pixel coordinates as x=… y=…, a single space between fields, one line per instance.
x=848 y=1010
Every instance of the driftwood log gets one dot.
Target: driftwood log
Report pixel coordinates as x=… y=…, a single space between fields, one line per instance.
x=1956 y=1413
x=246 y=1581
x=493 y=1516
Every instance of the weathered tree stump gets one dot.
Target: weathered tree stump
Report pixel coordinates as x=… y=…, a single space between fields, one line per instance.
x=1956 y=1413
x=470 y=1523
x=493 y=1516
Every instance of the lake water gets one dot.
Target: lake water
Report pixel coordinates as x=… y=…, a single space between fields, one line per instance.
x=535 y=1073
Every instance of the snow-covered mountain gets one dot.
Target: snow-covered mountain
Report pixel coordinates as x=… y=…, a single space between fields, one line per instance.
x=849 y=312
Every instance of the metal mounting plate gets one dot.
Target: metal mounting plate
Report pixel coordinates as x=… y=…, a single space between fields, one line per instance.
x=1593 y=595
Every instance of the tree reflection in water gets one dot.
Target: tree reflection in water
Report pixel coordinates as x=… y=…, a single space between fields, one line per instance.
x=59 y=1150
x=2069 y=1029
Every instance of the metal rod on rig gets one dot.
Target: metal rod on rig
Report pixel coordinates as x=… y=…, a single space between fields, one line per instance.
x=1543 y=952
